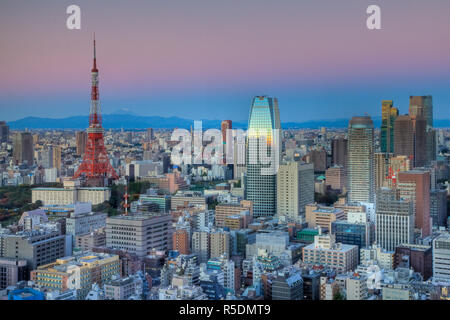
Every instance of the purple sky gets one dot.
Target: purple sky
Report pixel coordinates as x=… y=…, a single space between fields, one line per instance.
x=207 y=59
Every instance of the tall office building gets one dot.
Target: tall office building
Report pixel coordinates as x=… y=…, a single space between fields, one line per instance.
x=394 y=220
x=339 y=148
x=295 y=189
x=23 y=150
x=422 y=106
x=4 y=132
x=263 y=155
x=404 y=137
x=81 y=140
x=361 y=164
x=414 y=185
x=388 y=116
x=420 y=141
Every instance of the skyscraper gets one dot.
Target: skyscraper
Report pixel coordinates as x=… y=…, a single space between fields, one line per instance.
x=263 y=155
x=295 y=189
x=404 y=137
x=420 y=140
x=23 y=150
x=361 y=164
x=388 y=116
x=422 y=106
x=4 y=132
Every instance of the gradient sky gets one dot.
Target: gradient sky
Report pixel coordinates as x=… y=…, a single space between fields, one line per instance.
x=206 y=59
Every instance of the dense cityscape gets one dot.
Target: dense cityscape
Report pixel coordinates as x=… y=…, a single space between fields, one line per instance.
x=347 y=214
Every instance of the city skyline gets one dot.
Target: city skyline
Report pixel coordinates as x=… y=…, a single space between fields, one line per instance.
x=319 y=60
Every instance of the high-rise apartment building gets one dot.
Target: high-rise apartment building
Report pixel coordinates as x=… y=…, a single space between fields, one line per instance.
x=23 y=150
x=201 y=245
x=295 y=189
x=361 y=163
x=388 y=116
x=263 y=155
x=394 y=219
x=181 y=241
x=220 y=244
x=414 y=185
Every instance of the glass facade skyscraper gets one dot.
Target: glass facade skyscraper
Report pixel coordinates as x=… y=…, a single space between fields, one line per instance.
x=263 y=155
x=388 y=116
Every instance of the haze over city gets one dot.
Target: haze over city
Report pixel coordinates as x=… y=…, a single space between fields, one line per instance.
x=178 y=58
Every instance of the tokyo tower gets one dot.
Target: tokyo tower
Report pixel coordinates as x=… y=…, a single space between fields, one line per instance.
x=95 y=167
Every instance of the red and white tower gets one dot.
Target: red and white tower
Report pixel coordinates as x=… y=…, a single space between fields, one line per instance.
x=95 y=167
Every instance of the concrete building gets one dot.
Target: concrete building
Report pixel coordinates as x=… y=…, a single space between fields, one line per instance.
x=12 y=271
x=295 y=189
x=394 y=220
x=84 y=222
x=123 y=288
x=418 y=257
x=356 y=287
x=139 y=233
x=70 y=194
x=91 y=240
x=287 y=286
x=377 y=255
x=325 y=251
x=78 y=272
x=181 y=241
x=441 y=258
x=186 y=199
x=37 y=247
x=201 y=245
x=224 y=210
x=220 y=244
x=322 y=216
x=336 y=178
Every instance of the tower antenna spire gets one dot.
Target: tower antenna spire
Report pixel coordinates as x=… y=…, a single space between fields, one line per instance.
x=95 y=54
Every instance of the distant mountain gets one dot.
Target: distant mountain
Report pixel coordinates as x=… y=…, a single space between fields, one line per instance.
x=123 y=120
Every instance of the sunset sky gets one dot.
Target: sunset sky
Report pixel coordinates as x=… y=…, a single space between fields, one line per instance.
x=206 y=59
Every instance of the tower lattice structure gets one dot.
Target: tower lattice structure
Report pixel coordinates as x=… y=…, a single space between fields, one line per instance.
x=95 y=166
